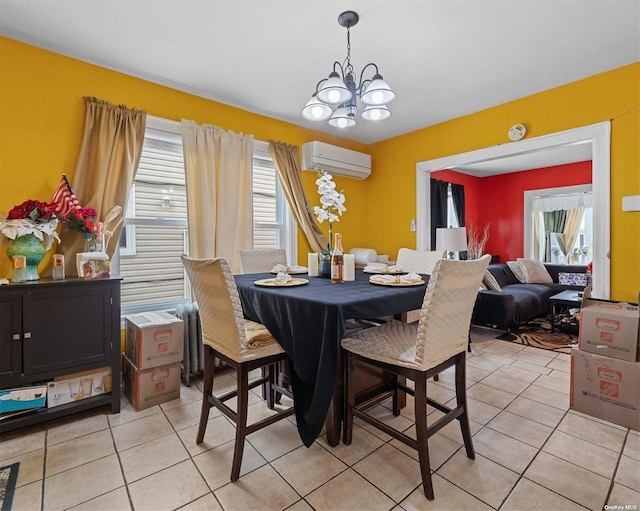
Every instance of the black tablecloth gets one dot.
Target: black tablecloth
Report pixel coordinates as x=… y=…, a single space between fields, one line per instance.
x=309 y=322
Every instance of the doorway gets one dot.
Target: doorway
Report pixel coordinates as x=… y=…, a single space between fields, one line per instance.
x=598 y=136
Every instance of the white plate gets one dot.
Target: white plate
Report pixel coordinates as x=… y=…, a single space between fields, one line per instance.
x=400 y=283
x=274 y=283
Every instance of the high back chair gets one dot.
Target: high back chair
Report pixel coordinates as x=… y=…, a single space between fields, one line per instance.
x=259 y=261
x=417 y=352
x=240 y=343
x=419 y=261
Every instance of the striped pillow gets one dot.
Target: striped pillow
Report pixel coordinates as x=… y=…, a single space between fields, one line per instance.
x=490 y=281
x=516 y=269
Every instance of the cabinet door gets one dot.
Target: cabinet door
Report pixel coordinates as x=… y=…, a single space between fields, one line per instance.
x=70 y=326
x=10 y=339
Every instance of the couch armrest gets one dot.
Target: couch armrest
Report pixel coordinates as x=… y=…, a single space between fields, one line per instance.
x=494 y=309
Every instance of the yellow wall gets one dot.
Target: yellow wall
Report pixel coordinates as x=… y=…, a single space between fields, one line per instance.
x=41 y=114
x=614 y=96
x=41 y=119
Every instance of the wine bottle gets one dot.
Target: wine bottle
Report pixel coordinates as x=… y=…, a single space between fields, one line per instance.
x=337 y=260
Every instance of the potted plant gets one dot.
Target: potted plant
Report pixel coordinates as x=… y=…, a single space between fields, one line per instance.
x=331 y=208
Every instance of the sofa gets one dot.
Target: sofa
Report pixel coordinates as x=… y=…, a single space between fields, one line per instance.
x=518 y=302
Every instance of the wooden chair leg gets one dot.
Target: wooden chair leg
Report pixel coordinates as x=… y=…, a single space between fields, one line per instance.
x=268 y=387
x=241 y=420
x=209 y=368
x=461 y=400
x=349 y=397
x=397 y=406
x=421 y=433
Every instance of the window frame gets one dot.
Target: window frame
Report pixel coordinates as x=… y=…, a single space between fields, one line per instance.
x=287 y=226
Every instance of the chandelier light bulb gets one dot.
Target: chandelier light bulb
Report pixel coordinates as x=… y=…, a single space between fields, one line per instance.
x=378 y=92
x=342 y=119
x=315 y=110
x=376 y=113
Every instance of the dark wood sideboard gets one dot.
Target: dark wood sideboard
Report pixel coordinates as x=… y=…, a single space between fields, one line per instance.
x=51 y=328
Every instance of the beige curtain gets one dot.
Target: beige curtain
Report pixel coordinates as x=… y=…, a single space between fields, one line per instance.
x=218 y=167
x=106 y=165
x=287 y=164
x=572 y=226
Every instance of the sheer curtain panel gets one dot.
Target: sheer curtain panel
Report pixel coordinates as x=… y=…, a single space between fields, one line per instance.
x=218 y=178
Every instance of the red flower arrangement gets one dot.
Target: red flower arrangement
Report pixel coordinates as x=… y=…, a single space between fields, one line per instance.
x=33 y=210
x=30 y=217
x=82 y=220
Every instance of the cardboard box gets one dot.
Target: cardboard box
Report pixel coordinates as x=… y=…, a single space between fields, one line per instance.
x=610 y=329
x=148 y=387
x=605 y=387
x=22 y=398
x=77 y=386
x=154 y=339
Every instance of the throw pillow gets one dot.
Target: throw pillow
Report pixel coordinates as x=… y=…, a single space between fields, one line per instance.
x=516 y=269
x=534 y=271
x=490 y=281
x=573 y=279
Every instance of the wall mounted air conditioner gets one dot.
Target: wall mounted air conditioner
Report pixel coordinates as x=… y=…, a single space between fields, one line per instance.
x=336 y=160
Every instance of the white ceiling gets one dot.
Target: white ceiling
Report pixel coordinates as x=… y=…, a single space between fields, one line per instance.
x=444 y=58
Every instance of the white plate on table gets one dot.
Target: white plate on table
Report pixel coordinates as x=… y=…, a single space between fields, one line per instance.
x=274 y=283
x=398 y=283
x=293 y=270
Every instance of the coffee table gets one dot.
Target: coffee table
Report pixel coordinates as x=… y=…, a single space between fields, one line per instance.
x=562 y=302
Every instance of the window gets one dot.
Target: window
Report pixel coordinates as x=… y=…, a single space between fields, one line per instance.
x=452 y=218
x=269 y=205
x=155 y=233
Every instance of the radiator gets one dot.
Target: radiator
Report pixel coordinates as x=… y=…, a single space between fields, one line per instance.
x=193 y=361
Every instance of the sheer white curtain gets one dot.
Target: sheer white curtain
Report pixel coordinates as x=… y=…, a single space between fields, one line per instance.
x=218 y=167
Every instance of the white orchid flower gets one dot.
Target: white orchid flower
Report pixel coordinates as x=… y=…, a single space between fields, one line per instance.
x=332 y=201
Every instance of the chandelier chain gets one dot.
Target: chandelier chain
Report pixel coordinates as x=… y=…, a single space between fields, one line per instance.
x=349 y=67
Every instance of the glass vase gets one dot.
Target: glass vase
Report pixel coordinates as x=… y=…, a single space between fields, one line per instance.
x=324 y=267
x=33 y=250
x=89 y=242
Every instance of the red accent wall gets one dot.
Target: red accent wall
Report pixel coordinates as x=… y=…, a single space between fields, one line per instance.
x=499 y=201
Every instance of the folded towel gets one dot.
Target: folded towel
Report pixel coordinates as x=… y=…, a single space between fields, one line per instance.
x=282 y=279
x=288 y=269
x=383 y=268
x=410 y=278
x=257 y=335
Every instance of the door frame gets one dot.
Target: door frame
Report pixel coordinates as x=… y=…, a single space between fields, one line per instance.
x=597 y=135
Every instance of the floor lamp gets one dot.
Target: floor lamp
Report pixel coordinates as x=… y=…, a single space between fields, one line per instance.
x=451 y=239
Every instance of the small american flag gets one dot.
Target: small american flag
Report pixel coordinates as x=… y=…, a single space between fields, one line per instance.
x=64 y=200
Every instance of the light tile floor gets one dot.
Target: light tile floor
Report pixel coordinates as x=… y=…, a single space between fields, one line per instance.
x=532 y=452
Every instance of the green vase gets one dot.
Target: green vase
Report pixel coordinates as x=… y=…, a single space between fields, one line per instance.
x=30 y=247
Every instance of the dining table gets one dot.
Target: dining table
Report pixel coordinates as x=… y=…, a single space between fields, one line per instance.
x=309 y=321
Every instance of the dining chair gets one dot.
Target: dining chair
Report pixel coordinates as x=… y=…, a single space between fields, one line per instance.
x=240 y=343
x=417 y=352
x=420 y=261
x=259 y=261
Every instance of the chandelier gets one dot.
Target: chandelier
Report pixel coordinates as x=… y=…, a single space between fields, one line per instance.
x=335 y=96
